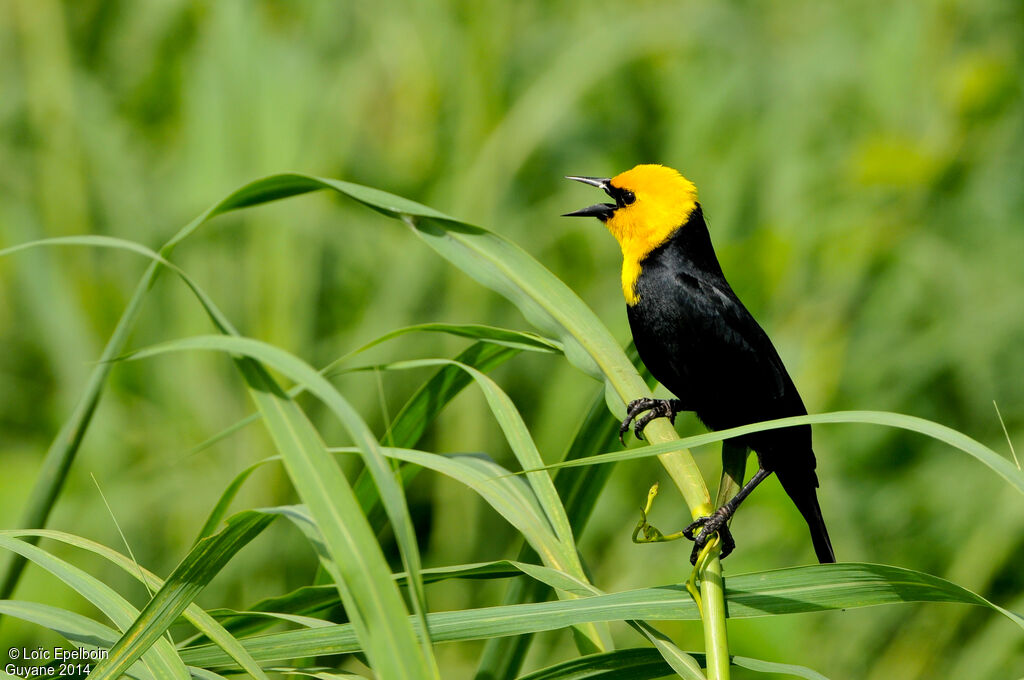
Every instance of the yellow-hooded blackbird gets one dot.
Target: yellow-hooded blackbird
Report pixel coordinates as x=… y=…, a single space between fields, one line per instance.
x=700 y=342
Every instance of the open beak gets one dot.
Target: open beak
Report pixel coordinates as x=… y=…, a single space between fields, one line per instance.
x=602 y=211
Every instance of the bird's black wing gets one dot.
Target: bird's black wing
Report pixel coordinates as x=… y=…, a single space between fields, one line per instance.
x=744 y=376
x=761 y=389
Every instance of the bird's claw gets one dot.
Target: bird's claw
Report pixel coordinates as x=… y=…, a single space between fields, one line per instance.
x=715 y=523
x=656 y=408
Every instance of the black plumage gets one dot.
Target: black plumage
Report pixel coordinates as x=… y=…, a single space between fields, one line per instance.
x=700 y=342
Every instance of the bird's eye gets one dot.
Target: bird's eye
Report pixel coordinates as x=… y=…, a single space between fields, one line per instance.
x=628 y=197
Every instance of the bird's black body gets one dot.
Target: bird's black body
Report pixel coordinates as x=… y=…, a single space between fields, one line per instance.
x=700 y=342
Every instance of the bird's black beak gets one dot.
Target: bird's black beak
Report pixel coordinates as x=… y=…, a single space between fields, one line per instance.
x=602 y=211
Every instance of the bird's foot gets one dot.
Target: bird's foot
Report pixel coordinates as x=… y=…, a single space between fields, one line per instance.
x=655 y=408
x=715 y=523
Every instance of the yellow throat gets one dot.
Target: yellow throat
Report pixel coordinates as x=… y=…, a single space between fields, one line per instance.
x=664 y=201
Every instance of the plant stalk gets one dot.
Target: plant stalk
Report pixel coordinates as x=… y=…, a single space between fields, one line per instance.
x=716 y=640
x=683 y=470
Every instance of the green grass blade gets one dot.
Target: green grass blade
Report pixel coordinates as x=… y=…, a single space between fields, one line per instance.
x=203 y=562
x=490 y=337
x=273 y=617
x=681 y=662
x=579 y=488
x=521 y=442
x=426 y=403
x=552 y=578
x=162 y=660
x=297 y=370
x=92 y=240
x=309 y=600
x=81 y=630
x=504 y=569
x=193 y=613
x=64 y=447
x=777 y=668
x=1000 y=465
x=325 y=490
x=503 y=657
x=421 y=409
x=521 y=340
x=406 y=429
x=61 y=453
x=320 y=675
x=597 y=432
x=515 y=502
x=202 y=620
x=351 y=554
x=684 y=665
x=645 y=664
x=480 y=475
x=783 y=591
x=636 y=664
x=842 y=586
x=304 y=452
x=204 y=674
x=255 y=193
x=224 y=501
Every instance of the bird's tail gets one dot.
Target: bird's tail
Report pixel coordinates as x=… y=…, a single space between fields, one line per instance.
x=801 y=489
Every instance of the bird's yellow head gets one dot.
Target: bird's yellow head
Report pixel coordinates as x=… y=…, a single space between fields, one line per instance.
x=651 y=203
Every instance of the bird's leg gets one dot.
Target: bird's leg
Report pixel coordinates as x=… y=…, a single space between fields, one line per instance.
x=718 y=521
x=656 y=408
x=651 y=533
x=734 y=467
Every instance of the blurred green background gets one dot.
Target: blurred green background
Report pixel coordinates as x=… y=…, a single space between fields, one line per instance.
x=861 y=166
